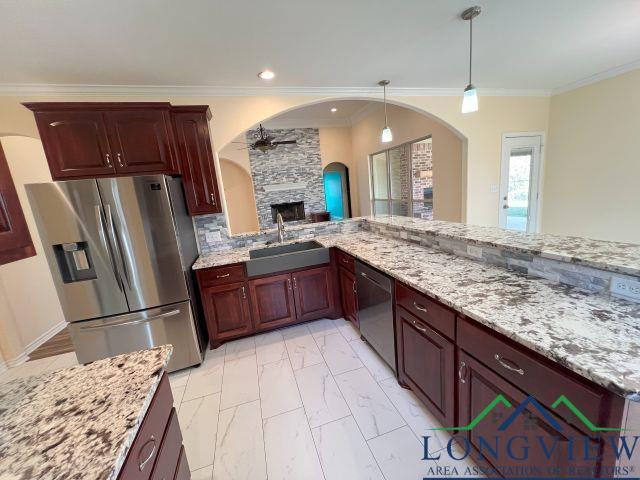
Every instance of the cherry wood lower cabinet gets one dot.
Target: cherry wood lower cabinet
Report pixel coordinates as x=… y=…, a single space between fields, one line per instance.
x=272 y=301
x=313 y=291
x=426 y=364
x=533 y=433
x=15 y=239
x=237 y=306
x=157 y=452
x=227 y=310
x=349 y=296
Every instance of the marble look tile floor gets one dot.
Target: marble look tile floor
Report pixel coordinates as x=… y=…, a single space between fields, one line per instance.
x=296 y=403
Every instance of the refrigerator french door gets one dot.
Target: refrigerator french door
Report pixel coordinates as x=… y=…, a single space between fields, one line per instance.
x=120 y=252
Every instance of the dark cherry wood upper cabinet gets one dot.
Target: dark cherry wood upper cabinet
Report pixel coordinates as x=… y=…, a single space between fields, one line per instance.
x=478 y=386
x=15 y=240
x=142 y=140
x=191 y=125
x=75 y=143
x=426 y=363
x=93 y=139
x=349 y=296
x=272 y=301
x=227 y=311
x=313 y=293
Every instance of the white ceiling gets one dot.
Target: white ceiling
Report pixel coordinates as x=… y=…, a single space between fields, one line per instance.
x=539 y=44
x=320 y=114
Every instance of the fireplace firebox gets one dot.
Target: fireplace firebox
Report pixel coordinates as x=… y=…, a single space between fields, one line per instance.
x=290 y=211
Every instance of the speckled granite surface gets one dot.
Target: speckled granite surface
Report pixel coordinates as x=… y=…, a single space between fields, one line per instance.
x=593 y=335
x=77 y=423
x=610 y=256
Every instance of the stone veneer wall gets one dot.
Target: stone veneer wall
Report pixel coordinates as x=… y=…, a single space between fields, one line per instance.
x=217 y=224
x=296 y=163
x=421 y=161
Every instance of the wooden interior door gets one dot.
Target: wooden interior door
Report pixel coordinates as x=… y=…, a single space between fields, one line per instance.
x=196 y=158
x=75 y=143
x=227 y=311
x=313 y=292
x=15 y=240
x=272 y=301
x=478 y=386
x=349 y=295
x=426 y=363
x=141 y=140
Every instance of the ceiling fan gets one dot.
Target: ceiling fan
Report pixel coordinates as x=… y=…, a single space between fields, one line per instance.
x=265 y=142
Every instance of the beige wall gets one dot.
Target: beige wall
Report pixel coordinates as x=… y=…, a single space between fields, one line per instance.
x=592 y=167
x=238 y=192
x=335 y=145
x=27 y=288
x=408 y=125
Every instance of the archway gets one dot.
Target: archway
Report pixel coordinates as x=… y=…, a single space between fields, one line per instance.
x=239 y=197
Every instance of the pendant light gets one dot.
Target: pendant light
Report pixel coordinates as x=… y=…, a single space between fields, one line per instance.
x=386 y=135
x=470 y=96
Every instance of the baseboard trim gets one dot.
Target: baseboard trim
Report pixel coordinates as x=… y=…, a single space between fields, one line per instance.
x=24 y=356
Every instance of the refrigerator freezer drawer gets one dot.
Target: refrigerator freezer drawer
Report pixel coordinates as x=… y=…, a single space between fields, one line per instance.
x=170 y=324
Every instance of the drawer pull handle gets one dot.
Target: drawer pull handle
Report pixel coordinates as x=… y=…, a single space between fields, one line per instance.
x=143 y=464
x=354 y=287
x=223 y=276
x=213 y=198
x=289 y=283
x=120 y=161
x=462 y=372
x=507 y=366
x=419 y=327
x=244 y=293
x=422 y=308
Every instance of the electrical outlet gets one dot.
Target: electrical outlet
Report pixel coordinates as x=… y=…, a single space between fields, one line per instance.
x=212 y=237
x=625 y=287
x=474 y=251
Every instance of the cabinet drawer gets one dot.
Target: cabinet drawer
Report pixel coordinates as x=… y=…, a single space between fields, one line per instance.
x=430 y=312
x=521 y=368
x=169 y=451
x=220 y=275
x=144 y=451
x=346 y=260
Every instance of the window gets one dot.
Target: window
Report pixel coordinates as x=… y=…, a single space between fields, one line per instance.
x=401 y=180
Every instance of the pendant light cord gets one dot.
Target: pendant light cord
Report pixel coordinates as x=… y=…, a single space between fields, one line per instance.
x=384 y=89
x=470 y=46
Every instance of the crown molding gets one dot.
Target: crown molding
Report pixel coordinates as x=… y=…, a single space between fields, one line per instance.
x=8 y=89
x=598 y=77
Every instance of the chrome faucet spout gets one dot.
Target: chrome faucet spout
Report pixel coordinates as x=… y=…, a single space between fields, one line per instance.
x=280 y=228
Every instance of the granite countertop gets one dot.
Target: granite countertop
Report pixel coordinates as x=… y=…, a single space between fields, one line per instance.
x=595 y=336
x=605 y=255
x=77 y=423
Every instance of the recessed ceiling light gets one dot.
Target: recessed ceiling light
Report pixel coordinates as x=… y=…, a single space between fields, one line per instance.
x=266 y=75
x=334 y=110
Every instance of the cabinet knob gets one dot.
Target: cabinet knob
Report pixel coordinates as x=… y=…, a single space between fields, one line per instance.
x=108 y=159
x=120 y=161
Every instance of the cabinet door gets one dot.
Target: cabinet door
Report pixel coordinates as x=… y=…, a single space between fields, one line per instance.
x=349 y=296
x=479 y=386
x=272 y=301
x=15 y=240
x=426 y=364
x=227 y=311
x=314 y=293
x=196 y=159
x=141 y=141
x=75 y=143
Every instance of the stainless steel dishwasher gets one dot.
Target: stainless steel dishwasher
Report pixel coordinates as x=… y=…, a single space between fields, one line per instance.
x=375 y=311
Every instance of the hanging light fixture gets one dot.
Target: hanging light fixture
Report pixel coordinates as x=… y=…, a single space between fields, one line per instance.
x=386 y=135
x=470 y=96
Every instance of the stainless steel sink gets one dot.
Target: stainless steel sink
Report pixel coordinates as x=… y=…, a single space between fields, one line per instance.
x=267 y=260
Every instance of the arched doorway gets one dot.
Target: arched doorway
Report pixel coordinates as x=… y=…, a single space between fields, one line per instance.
x=239 y=197
x=337 y=190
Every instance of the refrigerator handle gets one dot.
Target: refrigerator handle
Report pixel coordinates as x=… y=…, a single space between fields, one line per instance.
x=116 y=244
x=105 y=244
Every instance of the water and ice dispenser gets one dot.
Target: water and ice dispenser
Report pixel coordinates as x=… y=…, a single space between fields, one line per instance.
x=74 y=262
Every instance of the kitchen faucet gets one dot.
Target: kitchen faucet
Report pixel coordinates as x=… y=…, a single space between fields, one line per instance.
x=280 y=228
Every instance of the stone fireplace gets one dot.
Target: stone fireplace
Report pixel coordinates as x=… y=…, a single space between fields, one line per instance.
x=290 y=211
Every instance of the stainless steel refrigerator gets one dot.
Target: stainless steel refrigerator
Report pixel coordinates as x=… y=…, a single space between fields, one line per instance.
x=120 y=252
